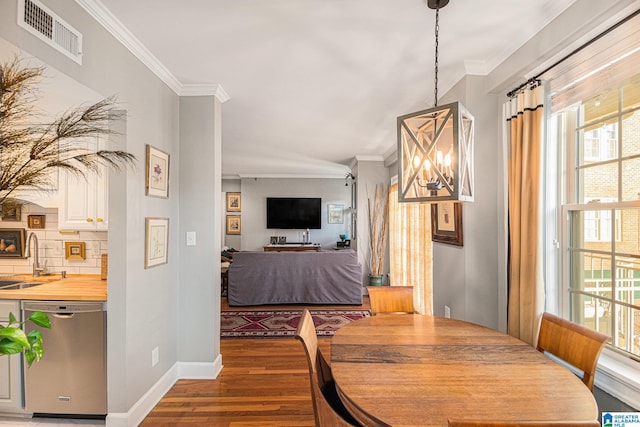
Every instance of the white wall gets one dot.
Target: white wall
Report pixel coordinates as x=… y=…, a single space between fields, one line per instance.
x=143 y=309
x=200 y=187
x=254 y=209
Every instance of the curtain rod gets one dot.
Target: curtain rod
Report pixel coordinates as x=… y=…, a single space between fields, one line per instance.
x=599 y=36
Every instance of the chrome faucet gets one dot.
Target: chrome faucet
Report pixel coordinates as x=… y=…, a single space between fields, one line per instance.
x=37 y=270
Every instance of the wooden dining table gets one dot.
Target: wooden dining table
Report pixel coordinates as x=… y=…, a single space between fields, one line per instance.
x=413 y=370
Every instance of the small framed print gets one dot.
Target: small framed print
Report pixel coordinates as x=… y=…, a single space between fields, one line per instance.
x=156 y=248
x=335 y=214
x=74 y=251
x=233 y=202
x=157 y=176
x=11 y=211
x=233 y=224
x=12 y=242
x=36 y=221
x=446 y=223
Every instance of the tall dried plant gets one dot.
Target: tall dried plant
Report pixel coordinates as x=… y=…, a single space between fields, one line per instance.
x=30 y=152
x=378 y=212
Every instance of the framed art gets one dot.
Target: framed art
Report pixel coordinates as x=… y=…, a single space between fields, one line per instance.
x=36 y=221
x=74 y=251
x=157 y=173
x=446 y=223
x=11 y=211
x=233 y=224
x=156 y=248
x=12 y=242
x=335 y=214
x=233 y=202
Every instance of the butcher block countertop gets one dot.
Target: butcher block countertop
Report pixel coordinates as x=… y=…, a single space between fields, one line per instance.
x=75 y=287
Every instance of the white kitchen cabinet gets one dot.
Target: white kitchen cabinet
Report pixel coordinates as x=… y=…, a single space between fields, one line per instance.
x=84 y=202
x=10 y=367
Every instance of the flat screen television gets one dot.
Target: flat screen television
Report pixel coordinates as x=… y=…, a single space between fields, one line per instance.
x=294 y=212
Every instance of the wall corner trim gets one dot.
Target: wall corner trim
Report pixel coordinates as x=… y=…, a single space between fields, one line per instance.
x=204 y=90
x=144 y=405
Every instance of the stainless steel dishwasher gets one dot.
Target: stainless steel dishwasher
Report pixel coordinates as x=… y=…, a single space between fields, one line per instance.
x=71 y=376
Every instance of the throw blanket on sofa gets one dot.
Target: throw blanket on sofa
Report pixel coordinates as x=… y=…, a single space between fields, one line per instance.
x=332 y=277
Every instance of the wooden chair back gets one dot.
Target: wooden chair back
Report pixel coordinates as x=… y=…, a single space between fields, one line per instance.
x=463 y=423
x=324 y=413
x=573 y=343
x=391 y=299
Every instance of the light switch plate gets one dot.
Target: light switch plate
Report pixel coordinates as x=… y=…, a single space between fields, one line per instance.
x=191 y=238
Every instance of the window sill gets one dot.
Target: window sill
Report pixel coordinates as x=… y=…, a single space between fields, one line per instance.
x=620 y=377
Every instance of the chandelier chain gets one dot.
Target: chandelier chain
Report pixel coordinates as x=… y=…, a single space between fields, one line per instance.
x=437 y=31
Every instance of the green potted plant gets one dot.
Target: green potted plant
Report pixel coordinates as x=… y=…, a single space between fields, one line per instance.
x=378 y=213
x=14 y=340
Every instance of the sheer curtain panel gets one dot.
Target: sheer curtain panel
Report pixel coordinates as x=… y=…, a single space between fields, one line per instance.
x=410 y=249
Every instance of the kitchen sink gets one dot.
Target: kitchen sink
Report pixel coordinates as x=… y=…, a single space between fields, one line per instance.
x=17 y=285
x=4 y=283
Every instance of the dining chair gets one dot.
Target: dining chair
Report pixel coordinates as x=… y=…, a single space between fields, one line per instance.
x=391 y=299
x=573 y=343
x=328 y=409
x=464 y=423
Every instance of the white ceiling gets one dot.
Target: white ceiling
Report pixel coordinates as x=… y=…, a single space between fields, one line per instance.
x=313 y=83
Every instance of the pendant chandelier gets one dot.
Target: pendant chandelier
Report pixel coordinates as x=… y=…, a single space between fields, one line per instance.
x=435 y=147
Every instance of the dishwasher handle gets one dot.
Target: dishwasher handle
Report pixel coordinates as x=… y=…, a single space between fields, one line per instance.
x=63 y=315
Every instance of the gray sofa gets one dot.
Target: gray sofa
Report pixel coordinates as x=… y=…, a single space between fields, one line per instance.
x=331 y=277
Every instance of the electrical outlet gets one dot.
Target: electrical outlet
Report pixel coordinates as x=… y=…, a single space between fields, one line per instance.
x=155 y=356
x=447 y=311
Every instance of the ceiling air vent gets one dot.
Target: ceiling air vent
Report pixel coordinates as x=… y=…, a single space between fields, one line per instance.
x=40 y=21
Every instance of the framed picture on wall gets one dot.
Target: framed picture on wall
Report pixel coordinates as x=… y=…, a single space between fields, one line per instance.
x=74 y=250
x=36 y=221
x=233 y=224
x=157 y=173
x=446 y=223
x=156 y=248
x=335 y=214
x=233 y=202
x=12 y=242
x=11 y=211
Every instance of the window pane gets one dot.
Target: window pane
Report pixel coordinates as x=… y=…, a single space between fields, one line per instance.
x=591 y=273
x=631 y=93
x=631 y=179
x=594 y=313
x=598 y=182
x=591 y=230
x=628 y=234
x=628 y=329
x=600 y=106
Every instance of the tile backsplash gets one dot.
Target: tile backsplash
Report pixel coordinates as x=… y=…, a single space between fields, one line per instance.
x=51 y=245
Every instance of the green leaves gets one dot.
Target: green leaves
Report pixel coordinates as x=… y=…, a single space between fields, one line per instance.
x=13 y=339
x=40 y=319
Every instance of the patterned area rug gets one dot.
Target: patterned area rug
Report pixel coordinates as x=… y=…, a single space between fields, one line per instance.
x=274 y=324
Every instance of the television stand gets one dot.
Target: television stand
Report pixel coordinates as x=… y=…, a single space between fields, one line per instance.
x=292 y=247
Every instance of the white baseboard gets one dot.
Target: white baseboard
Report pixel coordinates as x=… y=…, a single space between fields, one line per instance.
x=144 y=405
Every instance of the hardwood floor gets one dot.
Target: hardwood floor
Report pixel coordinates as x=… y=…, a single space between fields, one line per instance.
x=264 y=382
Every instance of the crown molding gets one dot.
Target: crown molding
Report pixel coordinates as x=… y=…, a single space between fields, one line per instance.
x=108 y=20
x=104 y=17
x=204 y=90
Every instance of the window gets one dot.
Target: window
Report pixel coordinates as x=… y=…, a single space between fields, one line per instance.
x=599 y=137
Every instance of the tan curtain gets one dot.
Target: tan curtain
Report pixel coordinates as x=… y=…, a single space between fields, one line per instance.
x=526 y=289
x=410 y=249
